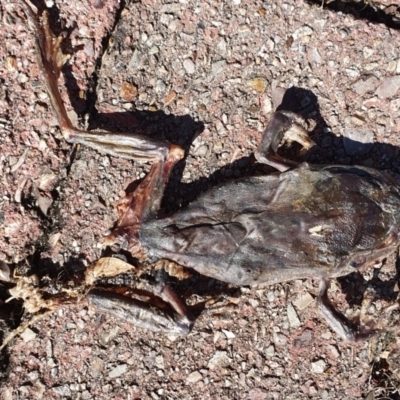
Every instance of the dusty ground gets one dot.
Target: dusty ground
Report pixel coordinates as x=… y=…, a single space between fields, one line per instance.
x=206 y=75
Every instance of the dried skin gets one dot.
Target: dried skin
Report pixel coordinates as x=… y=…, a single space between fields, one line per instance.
x=138 y=313
x=309 y=222
x=106 y=267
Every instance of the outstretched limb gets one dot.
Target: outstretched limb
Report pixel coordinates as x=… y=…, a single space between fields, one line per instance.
x=144 y=315
x=339 y=323
x=284 y=126
x=169 y=316
x=145 y=201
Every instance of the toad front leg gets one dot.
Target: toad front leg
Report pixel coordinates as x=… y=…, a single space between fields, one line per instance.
x=145 y=201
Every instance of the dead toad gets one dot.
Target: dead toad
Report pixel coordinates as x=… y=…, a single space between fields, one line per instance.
x=304 y=221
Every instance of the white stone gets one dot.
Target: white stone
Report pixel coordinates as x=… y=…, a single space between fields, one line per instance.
x=293 y=318
x=118 y=371
x=229 y=334
x=189 y=66
x=318 y=367
x=304 y=30
x=28 y=335
x=219 y=359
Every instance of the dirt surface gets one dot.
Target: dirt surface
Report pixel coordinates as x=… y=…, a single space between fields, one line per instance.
x=206 y=75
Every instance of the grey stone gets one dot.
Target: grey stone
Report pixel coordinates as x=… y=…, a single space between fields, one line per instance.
x=388 y=87
x=364 y=86
x=63 y=390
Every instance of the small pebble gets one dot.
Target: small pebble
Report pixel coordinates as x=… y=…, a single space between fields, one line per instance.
x=279 y=339
x=202 y=150
x=118 y=371
x=63 y=390
x=303 y=301
x=388 y=87
x=333 y=350
x=28 y=335
x=217 y=67
x=219 y=359
x=194 y=377
x=170 y=97
x=189 y=66
x=259 y=84
x=270 y=351
x=293 y=318
x=304 y=30
x=229 y=334
x=128 y=91
x=318 y=367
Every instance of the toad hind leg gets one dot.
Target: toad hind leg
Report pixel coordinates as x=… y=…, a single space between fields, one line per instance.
x=142 y=314
x=338 y=322
x=146 y=199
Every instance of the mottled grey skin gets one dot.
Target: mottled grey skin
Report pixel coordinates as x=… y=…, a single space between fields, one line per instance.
x=313 y=221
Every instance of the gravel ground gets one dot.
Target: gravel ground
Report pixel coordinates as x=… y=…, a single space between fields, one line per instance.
x=206 y=75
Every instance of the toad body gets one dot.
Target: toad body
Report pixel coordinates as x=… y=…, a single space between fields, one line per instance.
x=304 y=221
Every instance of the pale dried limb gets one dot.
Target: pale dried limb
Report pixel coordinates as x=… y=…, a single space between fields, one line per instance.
x=26 y=325
x=27 y=290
